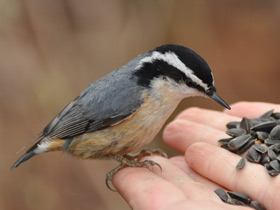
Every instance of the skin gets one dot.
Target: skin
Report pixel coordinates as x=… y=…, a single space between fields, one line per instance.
x=188 y=181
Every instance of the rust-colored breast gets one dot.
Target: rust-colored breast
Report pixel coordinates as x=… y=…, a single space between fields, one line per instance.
x=127 y=136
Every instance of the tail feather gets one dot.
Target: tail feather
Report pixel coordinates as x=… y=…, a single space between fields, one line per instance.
x=23 y=158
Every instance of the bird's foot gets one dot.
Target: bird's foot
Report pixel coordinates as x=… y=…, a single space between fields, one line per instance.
x=132 y=160
x=146 y=152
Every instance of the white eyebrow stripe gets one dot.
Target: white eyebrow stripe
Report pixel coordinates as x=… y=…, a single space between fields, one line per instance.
x=173 y=60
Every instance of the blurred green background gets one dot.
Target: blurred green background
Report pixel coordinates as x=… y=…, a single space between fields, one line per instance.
x=51 y=50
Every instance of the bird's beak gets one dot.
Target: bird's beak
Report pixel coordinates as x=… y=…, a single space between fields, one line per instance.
x=219 y=100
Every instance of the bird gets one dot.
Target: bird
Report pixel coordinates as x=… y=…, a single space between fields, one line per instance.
x=124 y=110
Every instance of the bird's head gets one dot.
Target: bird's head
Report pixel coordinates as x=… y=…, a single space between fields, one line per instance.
x=182 y=68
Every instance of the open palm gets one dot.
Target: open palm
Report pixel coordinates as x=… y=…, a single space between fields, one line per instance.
x=189 y=181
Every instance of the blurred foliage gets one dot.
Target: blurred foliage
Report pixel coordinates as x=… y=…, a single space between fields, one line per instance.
x=51 y=50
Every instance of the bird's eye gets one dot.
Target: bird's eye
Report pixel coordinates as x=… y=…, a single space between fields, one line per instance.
x=210 y=91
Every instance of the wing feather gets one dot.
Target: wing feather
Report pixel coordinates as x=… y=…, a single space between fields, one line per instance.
x=106 y=102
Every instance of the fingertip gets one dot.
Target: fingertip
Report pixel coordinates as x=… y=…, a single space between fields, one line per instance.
x=251 y=109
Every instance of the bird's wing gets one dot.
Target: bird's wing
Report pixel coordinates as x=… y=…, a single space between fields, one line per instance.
x=104 y=103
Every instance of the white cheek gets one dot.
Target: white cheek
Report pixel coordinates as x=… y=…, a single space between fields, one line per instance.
x=168 y=88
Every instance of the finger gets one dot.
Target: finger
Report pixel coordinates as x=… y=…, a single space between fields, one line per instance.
x=180 y=134
x=211 y=118
x=219 y=166
x=205 y=204
x=180 y=162
x=251 y=109
x=143 y=189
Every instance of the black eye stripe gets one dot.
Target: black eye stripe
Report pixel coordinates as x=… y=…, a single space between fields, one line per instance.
x=160 y=68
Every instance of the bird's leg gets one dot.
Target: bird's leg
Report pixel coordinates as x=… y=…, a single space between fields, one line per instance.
x=132 y=160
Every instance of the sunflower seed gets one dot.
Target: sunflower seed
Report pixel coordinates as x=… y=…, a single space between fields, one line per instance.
x=238 y=142
x=267 y=114
x=246 y=124
x=235 y=202
x=265 y=160
x=240 y=196
x=276 y=115
x=222 y=194
x=266 y=126
x=275 y=165
x=262 y=135
x=233 y=124
x=275 y=133
x=246 y=146
x=271 y=141
x=225 y=140
x=225 y=146
x=271 y=154
x=235 y=132
x=253 y=156
x=275 y=147
x=241 y=163
x=257 y=121
x=268 y=167
x=273 y=172
x=260 y=148
x=256 y=205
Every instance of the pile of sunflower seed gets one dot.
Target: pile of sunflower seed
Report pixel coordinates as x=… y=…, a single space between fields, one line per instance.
x=260 y=136
x=236 y=198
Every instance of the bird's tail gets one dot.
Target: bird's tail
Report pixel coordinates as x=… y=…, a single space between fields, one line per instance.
x=30 y=152
x=23 y=158
x=42 y=145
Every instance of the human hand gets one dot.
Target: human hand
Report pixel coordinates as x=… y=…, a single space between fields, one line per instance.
x=189 y=182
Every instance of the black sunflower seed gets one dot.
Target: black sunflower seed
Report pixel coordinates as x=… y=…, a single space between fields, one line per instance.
x=236 y=202
x=246 y=124
x=275 y=165
x=271 y=154
x=268 y=167
x=275 y=147
x=253 y=155
x=276 y=115
x=275 y=133
x=241 y=163
x=240 y=196
x=225 y=146
x=222 y=194
x=238 y=142
x=233 y=124
x=271 y=141
x=260 y=148
x=261 y=135
x=273 y=172
x=235 y=132
x=246 y=146
x=258 y=121
x=267 y=114
x=256 y=205
x=224 y=140
x=266 y=126
x=265 y=160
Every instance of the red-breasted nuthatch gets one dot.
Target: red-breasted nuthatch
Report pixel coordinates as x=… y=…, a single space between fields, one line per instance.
x=124 y=110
